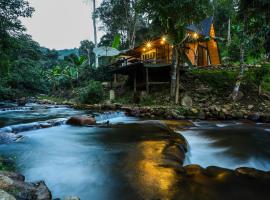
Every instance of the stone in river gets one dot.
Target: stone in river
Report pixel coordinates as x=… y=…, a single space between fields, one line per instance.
x=81 y=121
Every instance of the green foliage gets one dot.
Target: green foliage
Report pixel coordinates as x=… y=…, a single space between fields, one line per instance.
x=27 y=75
x=93 y=93
x=259 y=75
x=116 y=41
x=174 y=23
x=219 y=79
x=10 y=13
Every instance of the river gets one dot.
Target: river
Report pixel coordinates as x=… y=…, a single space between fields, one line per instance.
x=123 y=161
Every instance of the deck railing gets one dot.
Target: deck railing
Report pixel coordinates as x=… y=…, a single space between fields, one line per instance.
x=125 y=62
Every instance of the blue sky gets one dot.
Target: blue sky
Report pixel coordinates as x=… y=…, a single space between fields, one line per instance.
x=60 y=24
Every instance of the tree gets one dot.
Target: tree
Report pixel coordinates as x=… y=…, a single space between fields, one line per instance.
x=121 y=17
x=255 y=18
x=224 y=11
x=76 y=61
x=174 y=16
x=10 y=25
x=10 y=13
x=86 y=50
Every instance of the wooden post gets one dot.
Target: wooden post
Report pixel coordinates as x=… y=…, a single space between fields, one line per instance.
x=135 y=82
x=147 y=81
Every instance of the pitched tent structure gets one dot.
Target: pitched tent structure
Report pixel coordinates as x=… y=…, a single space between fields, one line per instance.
x=150 y=63
x=205 y=52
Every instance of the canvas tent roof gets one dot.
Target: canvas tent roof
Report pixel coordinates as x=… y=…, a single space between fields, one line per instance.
x=202 y=28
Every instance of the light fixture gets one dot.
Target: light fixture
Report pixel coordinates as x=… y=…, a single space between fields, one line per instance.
x=172 y=46
x=163 y=38
x=144 y=49
x=148 y=44
x=195 y=35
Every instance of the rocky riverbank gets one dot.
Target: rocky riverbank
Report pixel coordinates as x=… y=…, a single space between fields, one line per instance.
x=13 y=186
x=213 y=112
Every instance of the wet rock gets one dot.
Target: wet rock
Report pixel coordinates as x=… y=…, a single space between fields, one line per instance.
x=81 y=121
x=214 y=171
x=72 y=198
x=193 y=169
x=8 y=137
x=42 y=192
x=22 y=101
x=6 y=196
x=14 y=185
x=254 y=117
x=175 y=153
x=251 y=172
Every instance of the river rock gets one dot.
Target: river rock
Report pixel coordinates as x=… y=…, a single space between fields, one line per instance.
x=6 y=196
x=81 y=121
x=7 y=137
x=72 y=198
x=22 y=101
x=254 y=117
x=250 y=107
x=13 y=185
x=186 y=101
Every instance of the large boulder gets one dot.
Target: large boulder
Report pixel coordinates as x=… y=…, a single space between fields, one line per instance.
x=13 y=186
x=186 y=101
x=81 y=121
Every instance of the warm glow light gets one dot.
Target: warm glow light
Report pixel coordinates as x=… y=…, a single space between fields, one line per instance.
x=195 y=35
x=148 y=44
x=162 y=42
x=163 y=39
x=144 y=49
x=172 y=46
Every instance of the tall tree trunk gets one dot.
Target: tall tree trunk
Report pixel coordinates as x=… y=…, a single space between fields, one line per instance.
x=133 y=37
x=235 y=92
x=174 y=71
x=95 y=28
x=89 y=58
x=229 y=37
x=177 y=85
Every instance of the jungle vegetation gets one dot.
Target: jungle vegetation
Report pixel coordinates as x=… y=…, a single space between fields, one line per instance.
x=26 y=68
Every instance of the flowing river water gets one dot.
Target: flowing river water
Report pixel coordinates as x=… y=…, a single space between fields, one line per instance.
x=122 y=162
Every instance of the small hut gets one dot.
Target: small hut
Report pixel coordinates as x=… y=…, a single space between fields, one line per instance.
x=150 y=63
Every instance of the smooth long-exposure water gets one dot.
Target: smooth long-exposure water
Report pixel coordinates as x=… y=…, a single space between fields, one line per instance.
x=124 y=161
x=229 y=145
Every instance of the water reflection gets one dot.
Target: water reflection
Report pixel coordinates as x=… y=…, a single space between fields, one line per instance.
x=152 y=180
x=123 y=162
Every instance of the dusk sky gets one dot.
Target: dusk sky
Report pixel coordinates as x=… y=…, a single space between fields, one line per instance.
x=60 y=24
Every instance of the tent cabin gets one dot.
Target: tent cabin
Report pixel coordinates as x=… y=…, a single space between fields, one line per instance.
x=150 y=63
x=205 y=52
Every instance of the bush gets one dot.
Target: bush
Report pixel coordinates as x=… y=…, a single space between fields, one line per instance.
x=93 y=93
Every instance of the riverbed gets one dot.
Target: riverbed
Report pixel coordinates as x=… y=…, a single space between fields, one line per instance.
x=125 y=161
